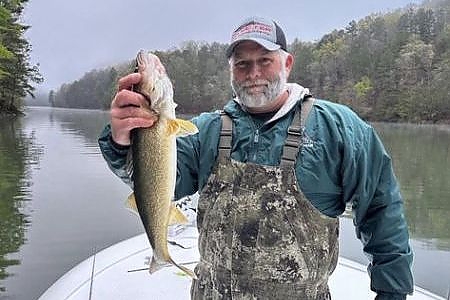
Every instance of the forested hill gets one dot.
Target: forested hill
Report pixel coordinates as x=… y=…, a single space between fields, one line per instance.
x=389 y=67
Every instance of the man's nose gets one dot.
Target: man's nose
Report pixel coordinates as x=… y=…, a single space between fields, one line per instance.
x=254 y=71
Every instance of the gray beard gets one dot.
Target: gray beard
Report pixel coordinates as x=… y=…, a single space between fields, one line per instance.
x=269 y=94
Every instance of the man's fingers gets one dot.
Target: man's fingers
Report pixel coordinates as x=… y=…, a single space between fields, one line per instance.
x=125 y=98
x=120 y=128
x=126 y=82
x=132 y=112
x=130 y=123
x=129 y=110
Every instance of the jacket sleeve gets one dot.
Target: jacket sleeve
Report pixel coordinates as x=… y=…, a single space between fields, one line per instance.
x=115 y=155
x=195 y=155
x=118 y=160
x=378 y=215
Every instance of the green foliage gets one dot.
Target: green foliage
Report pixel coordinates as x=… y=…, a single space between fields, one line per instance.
x=391 y=67
x=16 y=73
x=363 y=87
x=386 y=66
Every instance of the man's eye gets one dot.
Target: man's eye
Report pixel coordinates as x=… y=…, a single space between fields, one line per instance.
x=265 y=61
x=241 y=65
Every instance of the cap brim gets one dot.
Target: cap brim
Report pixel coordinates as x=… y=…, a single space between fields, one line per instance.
x=265 y=43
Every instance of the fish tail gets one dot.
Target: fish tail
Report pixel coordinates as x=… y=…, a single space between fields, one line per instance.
x=156 y=265
x=184 y=269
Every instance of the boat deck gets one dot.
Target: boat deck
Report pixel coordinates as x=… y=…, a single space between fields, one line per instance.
x=112 y=278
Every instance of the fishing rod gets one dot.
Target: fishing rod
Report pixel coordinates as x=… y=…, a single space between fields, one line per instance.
x=91 y=283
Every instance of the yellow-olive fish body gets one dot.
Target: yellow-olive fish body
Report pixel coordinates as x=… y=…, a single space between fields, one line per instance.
x=154 y=159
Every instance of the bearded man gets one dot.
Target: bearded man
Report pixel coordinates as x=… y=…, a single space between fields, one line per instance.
x=274 y=170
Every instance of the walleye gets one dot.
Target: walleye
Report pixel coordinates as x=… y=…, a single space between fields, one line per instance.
x=154 y=159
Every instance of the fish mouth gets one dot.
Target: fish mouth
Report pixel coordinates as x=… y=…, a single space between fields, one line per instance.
x=136 y=89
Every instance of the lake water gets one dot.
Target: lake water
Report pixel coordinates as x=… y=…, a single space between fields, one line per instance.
x=59 y=203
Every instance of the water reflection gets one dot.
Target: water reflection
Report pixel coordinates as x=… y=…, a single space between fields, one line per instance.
x=82 y=123
x=76 y=200
x=421 y=157
x=19 y=153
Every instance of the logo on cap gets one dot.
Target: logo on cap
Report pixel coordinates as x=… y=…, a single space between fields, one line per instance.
x=253 y=28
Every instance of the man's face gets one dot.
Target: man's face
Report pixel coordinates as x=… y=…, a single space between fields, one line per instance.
x=258 y=76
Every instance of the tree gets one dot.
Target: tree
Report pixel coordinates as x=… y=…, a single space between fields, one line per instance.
x=414 y=67
x=16 y=73
x=51 y=98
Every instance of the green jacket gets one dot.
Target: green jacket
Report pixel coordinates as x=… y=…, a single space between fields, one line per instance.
x=343 y=162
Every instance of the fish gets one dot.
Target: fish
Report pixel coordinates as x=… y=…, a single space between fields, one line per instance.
x=154 y=160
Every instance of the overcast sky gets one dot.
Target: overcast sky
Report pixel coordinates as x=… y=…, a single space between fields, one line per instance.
x=70 y=38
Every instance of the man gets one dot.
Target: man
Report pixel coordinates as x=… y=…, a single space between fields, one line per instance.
x=274 y=172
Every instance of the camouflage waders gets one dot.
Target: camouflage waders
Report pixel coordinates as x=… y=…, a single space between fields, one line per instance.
x=260 y=238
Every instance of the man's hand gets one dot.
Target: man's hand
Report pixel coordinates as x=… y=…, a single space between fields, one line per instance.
x=128 y=110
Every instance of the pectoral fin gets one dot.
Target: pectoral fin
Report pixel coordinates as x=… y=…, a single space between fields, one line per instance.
x=181 y=127
x=131 y=205
x=176 y=216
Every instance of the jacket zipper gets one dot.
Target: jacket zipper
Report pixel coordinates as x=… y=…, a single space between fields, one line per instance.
x=256 y=138
x=255 y=144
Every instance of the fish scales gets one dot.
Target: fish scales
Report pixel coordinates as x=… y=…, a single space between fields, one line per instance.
x=155 y=165
x=154 y=159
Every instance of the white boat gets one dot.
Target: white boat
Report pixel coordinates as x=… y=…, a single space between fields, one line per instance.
x=106 y=275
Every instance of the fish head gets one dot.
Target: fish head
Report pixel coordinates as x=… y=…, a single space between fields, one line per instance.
x=155 y=85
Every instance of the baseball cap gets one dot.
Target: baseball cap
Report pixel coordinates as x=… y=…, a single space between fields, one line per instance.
x=265 y=32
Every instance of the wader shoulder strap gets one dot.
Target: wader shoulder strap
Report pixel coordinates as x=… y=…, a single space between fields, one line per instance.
x=225 y=135
x=295 y=133
x=291 y=146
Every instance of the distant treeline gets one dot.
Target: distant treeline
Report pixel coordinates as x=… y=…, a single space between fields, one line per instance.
x=387 y=67
x=16 y=73
x=198 y=71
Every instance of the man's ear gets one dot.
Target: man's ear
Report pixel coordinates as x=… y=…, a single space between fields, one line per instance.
x=289 y=64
